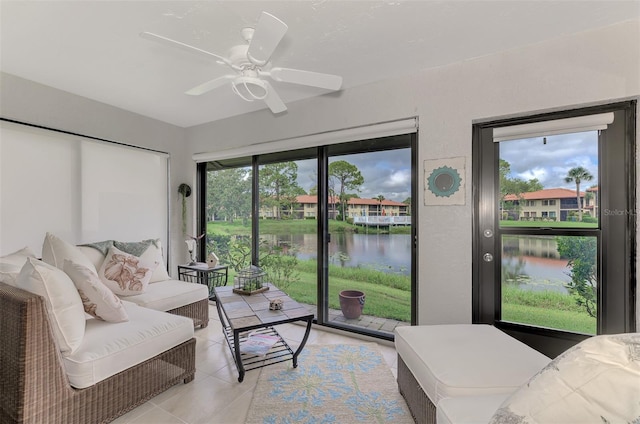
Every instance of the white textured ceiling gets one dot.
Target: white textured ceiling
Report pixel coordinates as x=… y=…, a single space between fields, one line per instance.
x=92 y=48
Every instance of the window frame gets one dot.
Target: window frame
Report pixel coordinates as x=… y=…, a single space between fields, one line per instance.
x=407 y=140
x=617 y=235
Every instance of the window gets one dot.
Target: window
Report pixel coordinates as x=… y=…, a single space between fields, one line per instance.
x=320 y=221
x=554 y=277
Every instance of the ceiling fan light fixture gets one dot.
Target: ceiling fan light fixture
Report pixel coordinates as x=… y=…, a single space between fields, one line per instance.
x=250 y=88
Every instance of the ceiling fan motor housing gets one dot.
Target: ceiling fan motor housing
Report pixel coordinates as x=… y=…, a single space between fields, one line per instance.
x=238 y=56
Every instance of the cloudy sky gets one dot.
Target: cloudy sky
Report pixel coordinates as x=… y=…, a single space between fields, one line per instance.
x=550 y=163
x=387 y=173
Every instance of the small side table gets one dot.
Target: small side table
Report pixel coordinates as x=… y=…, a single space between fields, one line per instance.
x=202 y=274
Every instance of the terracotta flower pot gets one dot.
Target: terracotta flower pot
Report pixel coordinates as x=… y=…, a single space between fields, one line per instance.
x=351 y=303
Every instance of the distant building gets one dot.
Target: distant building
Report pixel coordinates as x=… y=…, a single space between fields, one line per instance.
x=306 y=206
x=552 y=204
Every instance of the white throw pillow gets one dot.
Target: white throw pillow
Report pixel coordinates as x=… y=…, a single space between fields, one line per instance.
x=125 y=274
x=64 y=306
x=55 y=251
x=94 y=255
x=9 y=273
x=152 y=253
x=97 y=299
x=11 y=264
x=18 y=257
x=598 y=380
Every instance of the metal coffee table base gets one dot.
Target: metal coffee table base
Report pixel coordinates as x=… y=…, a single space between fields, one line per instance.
x=280 y=352
x=243 y=315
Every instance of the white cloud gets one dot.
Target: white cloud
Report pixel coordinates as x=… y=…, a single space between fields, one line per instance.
x=550 y=162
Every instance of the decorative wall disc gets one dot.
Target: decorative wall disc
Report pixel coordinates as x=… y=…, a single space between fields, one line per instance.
x=444 y=181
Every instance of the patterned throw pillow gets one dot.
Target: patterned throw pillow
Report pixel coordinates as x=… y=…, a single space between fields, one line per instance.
x=125 y=274
x=148 y=250
x=97 y=299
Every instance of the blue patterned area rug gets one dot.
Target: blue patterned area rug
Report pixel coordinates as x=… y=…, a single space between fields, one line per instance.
x=332 y=384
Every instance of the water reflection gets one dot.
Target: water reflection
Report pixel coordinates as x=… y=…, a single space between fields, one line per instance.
x=533 y=263
x=389 y=253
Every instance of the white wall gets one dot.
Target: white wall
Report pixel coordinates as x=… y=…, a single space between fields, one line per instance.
x=593 y=67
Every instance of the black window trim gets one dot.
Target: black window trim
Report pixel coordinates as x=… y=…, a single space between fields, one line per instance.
x=486 y=297
x=321 y=153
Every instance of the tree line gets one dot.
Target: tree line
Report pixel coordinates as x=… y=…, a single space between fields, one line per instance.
x=229 y=190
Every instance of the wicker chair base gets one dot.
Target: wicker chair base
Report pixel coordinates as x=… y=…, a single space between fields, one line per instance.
x=421 y=407
x=197 y=311
x=34 y=387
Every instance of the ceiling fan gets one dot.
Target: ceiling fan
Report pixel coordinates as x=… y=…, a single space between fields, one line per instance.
x=251 y=63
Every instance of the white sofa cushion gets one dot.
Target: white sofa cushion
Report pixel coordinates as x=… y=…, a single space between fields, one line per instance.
x=596 y=381
x=468 y=409
x=109 y=348
x=97 y=299
x=62 y=301
x=55 y=251
x=125 y=274
x=170 y=294
x=466 y=359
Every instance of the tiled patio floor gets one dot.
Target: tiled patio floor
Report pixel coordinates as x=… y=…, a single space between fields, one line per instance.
x=364 y=321
x=216 y=396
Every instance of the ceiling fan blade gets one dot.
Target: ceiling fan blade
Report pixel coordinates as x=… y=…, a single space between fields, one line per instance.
x=273 y=101
x=314 y=79
x=173 y=43
x=209 y=85
x=266 y=38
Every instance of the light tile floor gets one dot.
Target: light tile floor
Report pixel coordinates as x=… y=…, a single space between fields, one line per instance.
x=215 y=396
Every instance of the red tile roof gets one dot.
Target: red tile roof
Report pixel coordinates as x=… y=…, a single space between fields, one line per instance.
x=548 y=193
x=309 y=199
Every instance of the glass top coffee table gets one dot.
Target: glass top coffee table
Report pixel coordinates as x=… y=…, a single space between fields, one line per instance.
x=246 y=318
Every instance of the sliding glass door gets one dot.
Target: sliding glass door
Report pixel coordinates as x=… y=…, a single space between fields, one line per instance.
x=287 y=224
x=369 y=192
x=320 y=222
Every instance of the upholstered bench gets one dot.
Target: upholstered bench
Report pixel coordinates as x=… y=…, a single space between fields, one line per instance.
x=443 y=361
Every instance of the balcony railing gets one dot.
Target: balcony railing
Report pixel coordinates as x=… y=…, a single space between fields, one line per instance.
x=382 y=220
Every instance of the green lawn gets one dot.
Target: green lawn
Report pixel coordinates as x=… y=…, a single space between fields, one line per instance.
x=389 y=296
x=545 y=309
x=293 y=226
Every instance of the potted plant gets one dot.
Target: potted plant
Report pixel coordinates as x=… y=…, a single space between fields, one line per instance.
x=351 y=303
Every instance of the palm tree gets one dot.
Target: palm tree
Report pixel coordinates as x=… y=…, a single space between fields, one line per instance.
x=379 y=198
x=577 y=175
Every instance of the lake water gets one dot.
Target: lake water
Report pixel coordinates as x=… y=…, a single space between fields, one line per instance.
x=532 y=263
x=384 y=252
